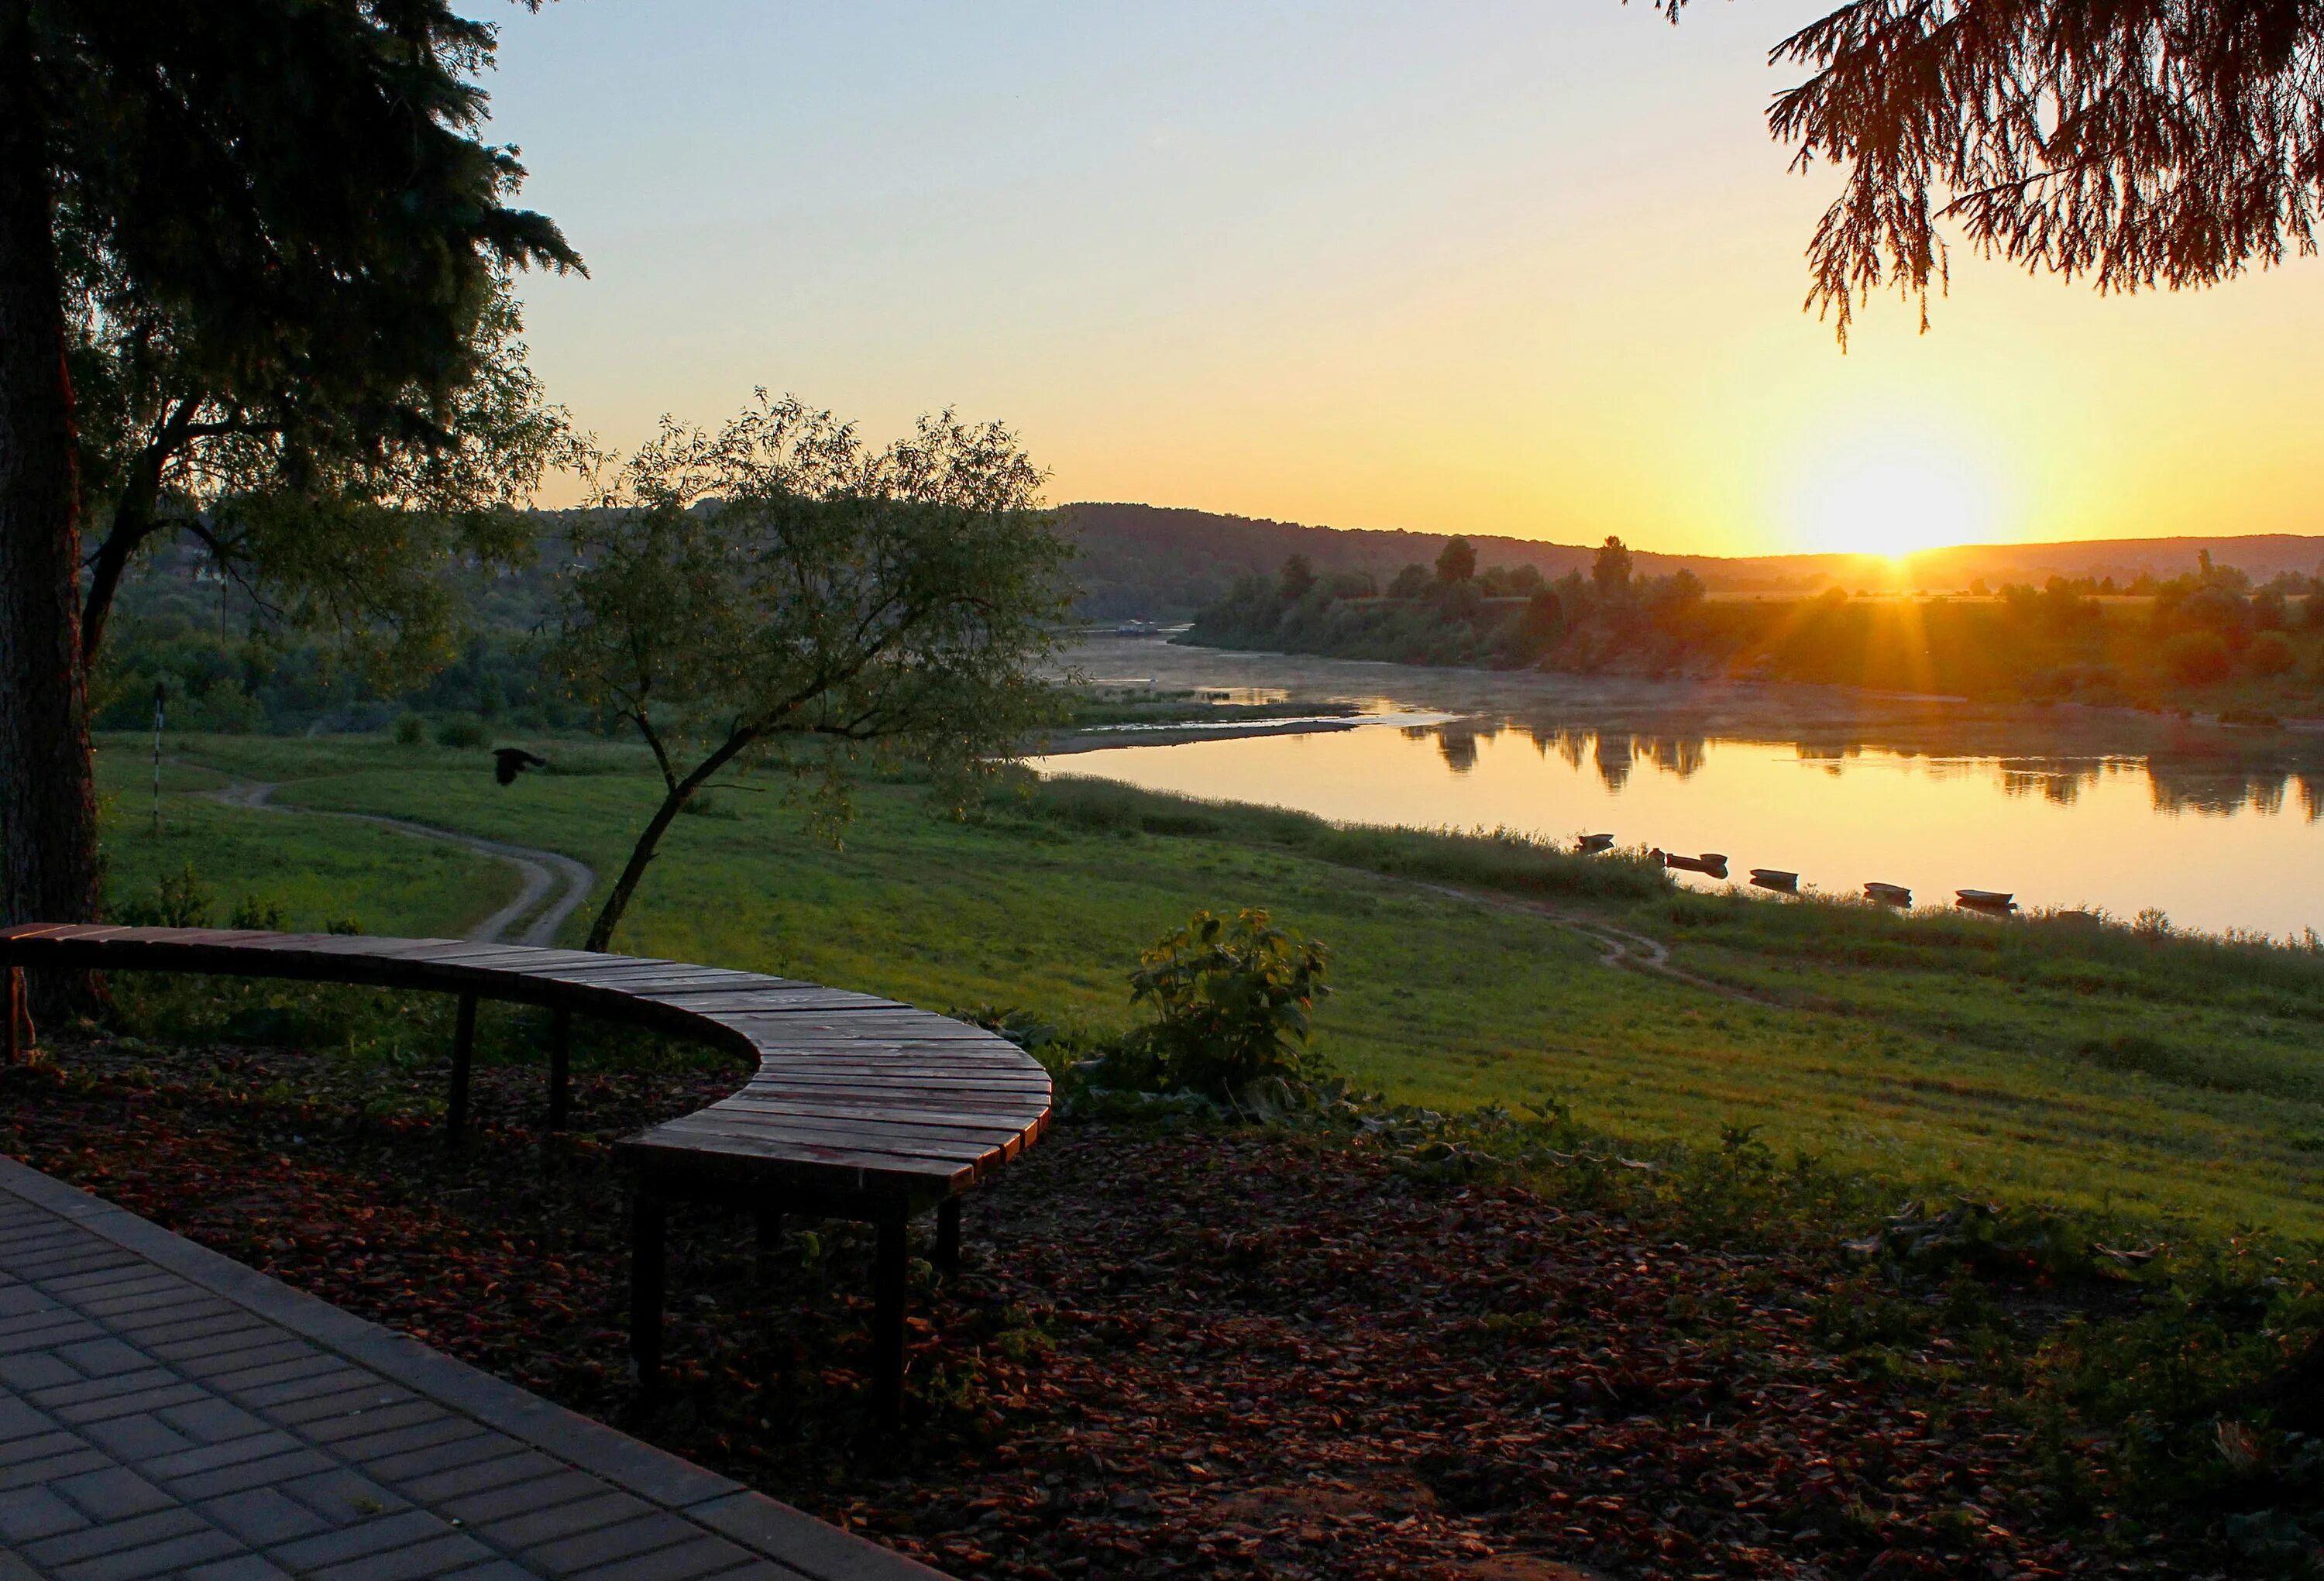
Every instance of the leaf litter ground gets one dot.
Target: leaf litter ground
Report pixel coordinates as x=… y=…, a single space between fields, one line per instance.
x=1186 y=1351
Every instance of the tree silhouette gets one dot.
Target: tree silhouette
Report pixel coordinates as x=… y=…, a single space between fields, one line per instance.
x=1457 y=562
x=291 y=179
x=2139 y=142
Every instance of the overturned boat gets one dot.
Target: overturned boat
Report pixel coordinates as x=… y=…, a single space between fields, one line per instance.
x=1589 y=845
x=1994 y=900
x=1776 y=879
x=1888 y=893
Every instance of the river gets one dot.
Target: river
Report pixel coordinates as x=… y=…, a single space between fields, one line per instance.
x=2218 y=829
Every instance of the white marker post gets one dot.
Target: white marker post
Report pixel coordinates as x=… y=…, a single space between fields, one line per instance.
x=160 y=701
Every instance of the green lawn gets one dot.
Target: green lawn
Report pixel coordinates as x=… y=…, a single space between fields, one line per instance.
x=2159 y=1077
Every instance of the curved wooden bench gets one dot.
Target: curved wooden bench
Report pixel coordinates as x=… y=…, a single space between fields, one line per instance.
x=861 y=1107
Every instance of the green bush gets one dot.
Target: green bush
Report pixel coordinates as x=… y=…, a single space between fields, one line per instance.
x=461 y=729
x=2196 y=658
x=179 y=902
x=410 y=730
x=259 y=912
x=1234 y=1005
x=2270 y=654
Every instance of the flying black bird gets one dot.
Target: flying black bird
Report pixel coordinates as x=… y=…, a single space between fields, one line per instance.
x=508 y=762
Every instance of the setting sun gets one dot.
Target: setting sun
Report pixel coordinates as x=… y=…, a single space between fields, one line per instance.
x=1895 y=503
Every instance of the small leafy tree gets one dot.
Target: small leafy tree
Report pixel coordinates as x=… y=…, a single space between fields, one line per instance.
x=1611 y=571
x=777 y=593
x=1456 y=562
x=1234 y=1003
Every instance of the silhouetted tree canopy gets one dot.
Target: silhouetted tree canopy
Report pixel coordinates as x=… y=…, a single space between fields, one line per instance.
x=273 y=196
x=1457 y=561
x=2140 y=143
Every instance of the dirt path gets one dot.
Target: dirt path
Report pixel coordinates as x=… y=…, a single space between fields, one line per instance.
x=547 y=875
x=1618 y=948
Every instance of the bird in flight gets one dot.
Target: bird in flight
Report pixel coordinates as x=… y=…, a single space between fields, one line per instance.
x=508 y=762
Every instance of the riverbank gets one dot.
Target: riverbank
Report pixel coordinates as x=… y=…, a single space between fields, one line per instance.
x=2165 y=1077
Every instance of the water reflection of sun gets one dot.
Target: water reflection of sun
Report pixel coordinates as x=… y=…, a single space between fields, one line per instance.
x=1895 y=503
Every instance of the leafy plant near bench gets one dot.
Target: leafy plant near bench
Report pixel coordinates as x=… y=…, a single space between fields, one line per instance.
x=1234 y=1005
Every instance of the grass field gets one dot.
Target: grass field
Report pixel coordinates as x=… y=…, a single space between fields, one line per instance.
x=2160 y=1077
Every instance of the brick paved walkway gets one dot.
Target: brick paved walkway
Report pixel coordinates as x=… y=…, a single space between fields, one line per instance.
x=165 y=1411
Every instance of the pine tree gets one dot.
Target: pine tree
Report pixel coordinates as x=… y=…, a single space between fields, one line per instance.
x=289 y=184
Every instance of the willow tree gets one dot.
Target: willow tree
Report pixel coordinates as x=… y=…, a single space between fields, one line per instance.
x=292 y=184
x=2134 y=142
x=779 y=594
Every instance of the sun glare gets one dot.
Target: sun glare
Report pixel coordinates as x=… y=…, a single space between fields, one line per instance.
x=1895 y=504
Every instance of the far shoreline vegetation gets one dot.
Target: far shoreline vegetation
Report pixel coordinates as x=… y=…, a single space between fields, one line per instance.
x=2209 y=638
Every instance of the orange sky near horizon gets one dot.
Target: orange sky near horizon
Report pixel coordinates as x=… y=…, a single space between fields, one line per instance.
x=1497 y=269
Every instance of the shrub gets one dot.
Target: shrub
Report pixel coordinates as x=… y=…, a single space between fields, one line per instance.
x=346 y=926
x=410 y=730
x=2270 y=654
x=179 y=902
x=461 y=729
x=1234 y=1004
x=259 y=912
x=2196 y=658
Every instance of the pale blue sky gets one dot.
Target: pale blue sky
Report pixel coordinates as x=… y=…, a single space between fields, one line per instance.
x=1529 y=268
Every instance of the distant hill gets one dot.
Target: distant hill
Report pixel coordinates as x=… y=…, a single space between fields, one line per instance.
x=1153 y=562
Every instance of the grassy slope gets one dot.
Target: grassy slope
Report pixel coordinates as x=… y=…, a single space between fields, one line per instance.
x=2093 y=1069
x=319 y=868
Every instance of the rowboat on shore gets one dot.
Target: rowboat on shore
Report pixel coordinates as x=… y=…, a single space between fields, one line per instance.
x=1589 y=845
x=1888 y=893
x=1985 y=900
x=1710 y=862
x=1776 y=879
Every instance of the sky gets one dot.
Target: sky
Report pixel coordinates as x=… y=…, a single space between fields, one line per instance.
x=1529 y=268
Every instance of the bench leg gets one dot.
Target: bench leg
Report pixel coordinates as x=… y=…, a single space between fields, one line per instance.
x=948 y=1238
x=16 y=1038
x=560 y=1069
x=649 y=1278
x=464 y=1055
x=888 y=1319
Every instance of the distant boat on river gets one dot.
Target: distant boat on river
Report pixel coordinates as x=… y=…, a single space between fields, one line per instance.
x=1776 y=879
x=1985 y=900
x=1589 y=845
x=1888 y=893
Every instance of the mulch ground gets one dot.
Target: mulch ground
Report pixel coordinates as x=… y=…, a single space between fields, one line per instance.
x=1180 y=1352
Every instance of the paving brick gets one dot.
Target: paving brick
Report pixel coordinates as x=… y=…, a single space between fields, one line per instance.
x=440 y=1459
x=65 y=1394
x=263 y=1517
x=198 y=1458
x=240 y=1567
x=35 y=1369
x=212 y=1421
x=43 y=1330
x=30 y=1513
x=66 y=1462
x=697 y=1557
x=170 y=1557
x=139 y=1436
x=19 y=1421
x=343 y=1497
x=84 y=1291
x=421 y=1561
x=531 y=1528
x=317 y=1408
x=115 y=1494
x=246 y=1335
x=152 y=1397
x=138 y=1531
x=270 y=1471
x=308 y=1375
x=227 y=1362
x=366 y=1421
x=98 y=1358
x=593 y=1550
x=372 y=1447
x=384 y=1535
x=185 y=1321
x=497 y=1504
x=479 y=1477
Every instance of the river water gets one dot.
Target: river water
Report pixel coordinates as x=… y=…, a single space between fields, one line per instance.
x=2219 y=829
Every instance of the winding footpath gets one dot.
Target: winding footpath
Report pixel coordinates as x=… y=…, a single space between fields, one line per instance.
x=546 y=875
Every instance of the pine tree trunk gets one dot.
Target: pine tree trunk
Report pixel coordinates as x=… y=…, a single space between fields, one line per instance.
x=48 y=808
